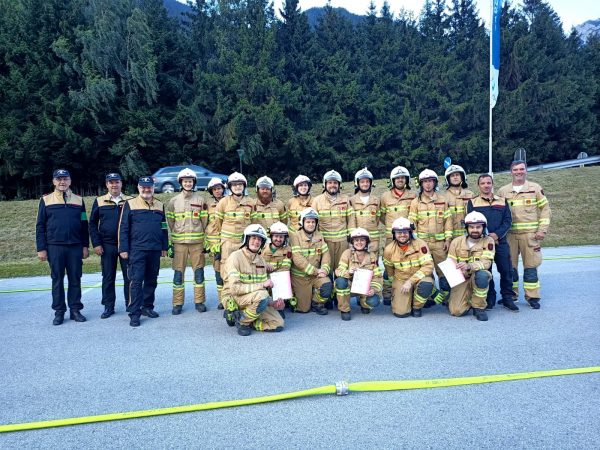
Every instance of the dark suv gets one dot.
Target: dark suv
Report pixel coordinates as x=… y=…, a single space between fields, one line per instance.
x=165 y=179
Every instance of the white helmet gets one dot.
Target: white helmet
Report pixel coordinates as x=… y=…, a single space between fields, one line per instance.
x=307 y=213
x=215 y=182
x=265 y=182
x=299 y=180
x=236 y=177
x=400 y=172
x=187 y=173
x=402 y=224
x=279 y=228
x=363 y=173
x=332 y=175
x=454 y=168
x=475 y=218
x=254 y=230
x=360 y=233
x=428 y=174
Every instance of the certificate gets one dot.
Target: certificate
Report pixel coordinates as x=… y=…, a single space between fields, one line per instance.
x=453 y=275
x=361 y=282
x=282 y=285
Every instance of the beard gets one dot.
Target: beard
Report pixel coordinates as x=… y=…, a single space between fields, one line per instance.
x=265 y=198
x=475 y=235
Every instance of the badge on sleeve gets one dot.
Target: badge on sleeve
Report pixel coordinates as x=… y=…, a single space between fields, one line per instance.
x=490 y=246
x=205 y=207
x=424 y=249
x=289 y=254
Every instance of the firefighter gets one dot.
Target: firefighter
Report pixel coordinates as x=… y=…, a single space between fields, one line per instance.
x=62 y=238
x=531 y=219
x=232 y=217
x=216 y=188
x=473 y=253
x=187 y=217
x=358 y=256
x=246 y=285
x=499 y=219
x=300 y=201
x=367 y=207
x=336 y=218
x=409 y=265
x=433 y=224
x=143 y=240
x=394 y=204
x=267 y=209
x=310 y=265
x=104 y=232
x=457 y=196
x=278 y=254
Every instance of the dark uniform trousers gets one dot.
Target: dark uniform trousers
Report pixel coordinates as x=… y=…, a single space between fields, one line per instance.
x=69 y=258
x=108 y=260
x=143 y=275
x=504 y=267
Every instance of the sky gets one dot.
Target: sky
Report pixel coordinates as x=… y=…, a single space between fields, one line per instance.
x=571 y=12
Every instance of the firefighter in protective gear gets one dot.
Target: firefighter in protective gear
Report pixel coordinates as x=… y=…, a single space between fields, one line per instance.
x=104 y=230
x=499 y=219
x=300 y=201
x=311 y=264
x=431 y=216
x=143 y=239
x=62 y=238
x=187 y=217
x=458 y=196
x=367 y=207
x=531 y=219
x=474 y=255
x=233 y=215
x=409 y=265
x=358 y=256
x=267 y=209
x=246 y=284
x=336 y=218
x=394 y=204
x=212 y=243
x=278 y=254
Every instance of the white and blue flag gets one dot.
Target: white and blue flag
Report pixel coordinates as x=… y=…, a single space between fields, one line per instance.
x=495 y=36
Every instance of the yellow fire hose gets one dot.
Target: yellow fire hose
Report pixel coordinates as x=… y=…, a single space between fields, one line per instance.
x=340 y=388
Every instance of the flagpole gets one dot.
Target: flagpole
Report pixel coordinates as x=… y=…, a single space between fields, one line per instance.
x=490 y=96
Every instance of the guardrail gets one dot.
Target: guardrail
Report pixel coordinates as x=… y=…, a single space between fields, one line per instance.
x=562 y=164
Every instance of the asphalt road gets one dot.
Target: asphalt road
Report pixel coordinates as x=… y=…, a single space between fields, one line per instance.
x=105 y=366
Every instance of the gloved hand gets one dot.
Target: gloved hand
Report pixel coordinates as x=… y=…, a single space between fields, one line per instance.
x=438 y=297
x=216 y=248
x=170 y=250
x=206 y=248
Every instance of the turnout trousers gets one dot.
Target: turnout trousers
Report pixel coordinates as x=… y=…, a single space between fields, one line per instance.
x=180 y=258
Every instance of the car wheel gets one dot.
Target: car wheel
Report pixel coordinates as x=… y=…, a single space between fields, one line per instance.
x=168 y=188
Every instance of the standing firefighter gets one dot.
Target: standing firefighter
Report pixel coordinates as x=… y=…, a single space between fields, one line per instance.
x=358 y=256
x=143 y=240
x=104 y=232
x=531 y=219
x=267 y=209
x=310 y=265
x=366 y=207
x=300 y=201
x=458 y=196
x=212 y=244
x=433 y=223
x=474 y=255
x=187 y=216
x=246 y=285
x=410 y=267
x=394 y=204
x=336 y=218
x=278 y=254
x=62 y=238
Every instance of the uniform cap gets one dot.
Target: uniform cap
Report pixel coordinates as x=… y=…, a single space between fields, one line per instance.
x=146 y=181
x=61 y=173
x=113 y=176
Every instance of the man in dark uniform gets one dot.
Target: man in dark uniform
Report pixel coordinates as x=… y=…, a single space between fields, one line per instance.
x=62 y=238
x=104 y=230
x=499 y=219
x=143 y=239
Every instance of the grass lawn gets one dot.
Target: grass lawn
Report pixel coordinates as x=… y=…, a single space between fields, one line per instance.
x=575 y=217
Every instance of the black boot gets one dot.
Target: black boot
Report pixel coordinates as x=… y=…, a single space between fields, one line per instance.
x=108 y=311
x=177 y=310
x=134 y=321
x=346 y=315
x=200 y=307
x=329 y=304
x=480 y=314
x=402 y=316
x=149 y=313
x=365 y=310
x=387 y=301
x=416 y=313
x=510 y=305
x=319 y=309
x=534 y=303
x=220 y=306
x=59 y=318
x=429 y=303
x=77 y=316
